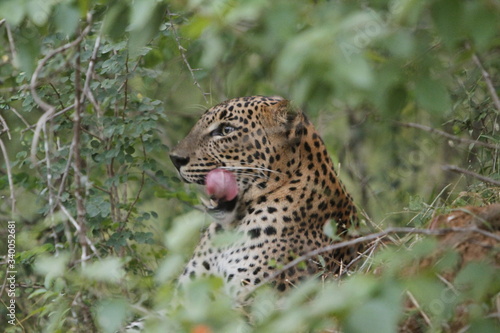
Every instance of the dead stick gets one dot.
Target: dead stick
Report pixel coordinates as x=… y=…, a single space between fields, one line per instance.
x=454 y=168
x=449 y=136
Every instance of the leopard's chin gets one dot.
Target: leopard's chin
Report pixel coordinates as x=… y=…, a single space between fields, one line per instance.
x=222 y=211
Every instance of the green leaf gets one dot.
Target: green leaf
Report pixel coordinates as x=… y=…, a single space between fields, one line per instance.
x=13 y=11
x=467 y=278
x=144 y=237
x=170 y=268
x=28 y=49
x=66 y=18
x=484 y=325
x=111 y=314
x=330 y=229
x=40 y=10
x=97 y=206
x=374 y=316
x=481 y=23
x=95 y=144
x=416 y=203
x=141 y=13
x=432 y=95
x=119 y=239
x=140 y=36
x=448 y=18
x=108 y=270
x=52 y=267
x=115 y=22
x=185 y=230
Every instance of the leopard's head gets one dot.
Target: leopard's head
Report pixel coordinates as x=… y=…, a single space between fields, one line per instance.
x=249 y=136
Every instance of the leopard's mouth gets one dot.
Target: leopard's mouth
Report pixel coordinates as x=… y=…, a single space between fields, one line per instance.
x=219 y=206
x=214 y=203
x=222 y=188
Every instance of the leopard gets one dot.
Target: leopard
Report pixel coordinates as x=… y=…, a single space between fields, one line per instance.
x=288 y=193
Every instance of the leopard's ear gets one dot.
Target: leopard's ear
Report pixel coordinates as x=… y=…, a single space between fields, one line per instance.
x=282 y=113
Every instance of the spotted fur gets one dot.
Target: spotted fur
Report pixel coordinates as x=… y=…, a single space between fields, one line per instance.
x=288 y=190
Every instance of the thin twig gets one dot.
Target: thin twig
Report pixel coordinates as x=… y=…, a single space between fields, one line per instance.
x=5 y=126
x=454 y=168
x=447 y=283
x=182 y=51
x=449 y=136
x=487 y=79
x=78 y=228
x=20 y=117
x=9 y=177
x=88 y=75
x=419 y=308
x=141 y=186
x=49 y=170
x=65 y=173
x=69 y=216
x=50 y=117
x=12 y=46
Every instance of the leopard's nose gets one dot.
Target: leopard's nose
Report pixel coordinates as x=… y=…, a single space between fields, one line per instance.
x=179 y=161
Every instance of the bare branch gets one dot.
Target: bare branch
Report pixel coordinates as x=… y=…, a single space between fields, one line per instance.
x=9 y=177
x=487 y=79
x=50 y=117
x=419 y=308
x=88 y=75
x=69 y=216
x=78 y=229
x=20 y=117
x=65 y=173
x=182 y=51
x=77 y=162
x=5 y=127
x=11 y=43
x=454 y=168
x=141 y=186
x=49 y=170
x=449 y=136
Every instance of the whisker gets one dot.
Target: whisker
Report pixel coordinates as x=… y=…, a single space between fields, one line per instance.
x=249 y=175
x=239 y=171
x=249 y=168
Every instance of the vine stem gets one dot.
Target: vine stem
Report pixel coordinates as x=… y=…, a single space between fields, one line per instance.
x=182 y=51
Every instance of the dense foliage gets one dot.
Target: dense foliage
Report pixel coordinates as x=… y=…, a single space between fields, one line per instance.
x=94 y=93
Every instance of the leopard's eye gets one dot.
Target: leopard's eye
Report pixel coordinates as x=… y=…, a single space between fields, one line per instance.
x=227 y=129
x=222 y=130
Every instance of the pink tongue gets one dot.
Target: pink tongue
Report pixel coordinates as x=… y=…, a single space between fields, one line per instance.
x=221 y=184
